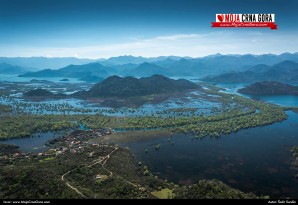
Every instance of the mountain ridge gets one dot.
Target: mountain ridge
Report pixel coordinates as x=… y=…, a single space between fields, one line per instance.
x=171 y=66
x=269 y=88
x=73 y=71
x=115 y=86
x=285 y=71
x=6 y=68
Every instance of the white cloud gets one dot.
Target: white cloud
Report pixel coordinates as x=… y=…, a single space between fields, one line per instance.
x=195 y=45
x=178 y=37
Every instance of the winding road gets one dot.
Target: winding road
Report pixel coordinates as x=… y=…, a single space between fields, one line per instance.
x=73 y=188
x=102 y=161
x=99 y=161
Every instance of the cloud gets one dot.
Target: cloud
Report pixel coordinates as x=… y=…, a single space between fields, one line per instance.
x=194 y=45
x=178 y=37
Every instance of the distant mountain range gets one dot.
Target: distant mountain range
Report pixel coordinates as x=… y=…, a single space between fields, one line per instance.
x=11 y=69
x=269 y=88
x=286 y=71
x=171 y=66
x=39 y=63
x=74 y=71
x=120 y=60
x=147 y=69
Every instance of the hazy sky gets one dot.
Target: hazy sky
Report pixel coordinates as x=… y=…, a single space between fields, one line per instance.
x=104 y=28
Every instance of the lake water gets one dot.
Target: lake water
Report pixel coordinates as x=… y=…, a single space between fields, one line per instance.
x=254 y=160
x=35 y=143
x=78 y=106
x=15 y=78
x=282 y=100
x=73 y=106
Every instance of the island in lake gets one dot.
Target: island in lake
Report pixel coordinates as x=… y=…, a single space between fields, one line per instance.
x=116 y=86
x=269 y=88
x=43 y=93
x=116 y=91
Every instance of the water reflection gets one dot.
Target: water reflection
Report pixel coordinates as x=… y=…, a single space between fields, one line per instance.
x=254 y=160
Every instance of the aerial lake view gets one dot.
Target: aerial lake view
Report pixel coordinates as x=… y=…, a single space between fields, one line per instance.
x=160 y=99
x=244 y=160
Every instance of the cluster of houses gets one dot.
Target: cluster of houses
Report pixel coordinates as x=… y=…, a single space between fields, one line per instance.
x=73 y=142
x=77 y=140
x=14 y=156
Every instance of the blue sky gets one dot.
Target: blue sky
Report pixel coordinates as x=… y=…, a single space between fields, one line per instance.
x=105 y=28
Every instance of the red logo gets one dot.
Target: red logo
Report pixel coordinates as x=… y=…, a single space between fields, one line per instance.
x=245 y=21
x=220 y=18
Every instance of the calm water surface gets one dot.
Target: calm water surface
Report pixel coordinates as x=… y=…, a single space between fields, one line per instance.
x=35 y=143
x=282 y=100
x=254 y=160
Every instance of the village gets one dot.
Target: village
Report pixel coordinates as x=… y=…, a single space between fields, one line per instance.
x=74 y=142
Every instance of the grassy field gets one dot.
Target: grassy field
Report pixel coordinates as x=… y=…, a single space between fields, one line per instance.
x=164 y=194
